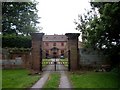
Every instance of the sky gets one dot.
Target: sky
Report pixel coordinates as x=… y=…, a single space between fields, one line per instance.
x=57 y=16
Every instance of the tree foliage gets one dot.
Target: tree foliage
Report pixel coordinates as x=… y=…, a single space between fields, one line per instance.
x=102 y=31
x=19 y=17
x=86 y=25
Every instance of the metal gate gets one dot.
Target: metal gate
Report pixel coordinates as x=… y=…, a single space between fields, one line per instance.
x=55 y=63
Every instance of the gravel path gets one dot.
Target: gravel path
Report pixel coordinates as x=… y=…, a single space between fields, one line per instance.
x=64 y=82
x=40 y=83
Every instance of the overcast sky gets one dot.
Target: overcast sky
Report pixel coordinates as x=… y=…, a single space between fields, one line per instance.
x=57 y=16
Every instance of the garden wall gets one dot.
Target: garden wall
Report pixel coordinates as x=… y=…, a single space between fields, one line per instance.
x=15 y=60
x=89 y=57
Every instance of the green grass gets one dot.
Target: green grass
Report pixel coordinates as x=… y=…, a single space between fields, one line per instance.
x=53 y=81
x=18 y=78
x=0 y=79
x=65 y=61
x=45 y=62
x=94 y=80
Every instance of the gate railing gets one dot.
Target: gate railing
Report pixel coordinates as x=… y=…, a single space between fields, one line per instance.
x=46 y=61
x=66 y=62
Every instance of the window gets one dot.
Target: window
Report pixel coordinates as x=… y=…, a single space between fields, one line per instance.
x=62 y=44
x=47 y=44
x=54 y=44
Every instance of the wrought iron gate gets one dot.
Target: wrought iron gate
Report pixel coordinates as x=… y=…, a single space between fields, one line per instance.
x=55 y=63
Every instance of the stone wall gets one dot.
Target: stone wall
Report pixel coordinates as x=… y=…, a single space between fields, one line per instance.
x=89 y=57
x=17 y=60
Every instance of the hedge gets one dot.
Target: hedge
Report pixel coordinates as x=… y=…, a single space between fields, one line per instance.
x=16 y=41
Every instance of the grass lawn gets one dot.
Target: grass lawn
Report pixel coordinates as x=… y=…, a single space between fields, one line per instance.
x=18 y=78
x=45 y=62
x=53 y=81
x=94 y=80
x=0 y=79
x=65 y=61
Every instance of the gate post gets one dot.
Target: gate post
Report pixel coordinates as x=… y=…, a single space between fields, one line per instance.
x=73 y=47
x=68 y=60
x=37 y=51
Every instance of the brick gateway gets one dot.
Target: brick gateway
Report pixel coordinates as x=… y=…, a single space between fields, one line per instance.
x=73 y=56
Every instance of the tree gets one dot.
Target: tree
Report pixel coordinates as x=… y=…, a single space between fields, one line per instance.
x=19 y=17
x=86 y=25
x=102 y=32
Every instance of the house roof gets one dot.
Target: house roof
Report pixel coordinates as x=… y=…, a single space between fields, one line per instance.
x=54 y=38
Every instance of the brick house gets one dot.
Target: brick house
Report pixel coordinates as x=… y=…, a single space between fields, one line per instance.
x=54 y=45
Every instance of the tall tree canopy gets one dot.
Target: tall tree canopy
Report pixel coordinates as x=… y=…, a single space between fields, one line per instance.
x=19 y=17
x=102 y=31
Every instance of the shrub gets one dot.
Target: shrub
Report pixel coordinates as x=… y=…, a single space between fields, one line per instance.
x=19 y=41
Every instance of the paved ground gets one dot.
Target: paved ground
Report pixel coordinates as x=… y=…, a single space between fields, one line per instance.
x=42 y=81
x=64 y=82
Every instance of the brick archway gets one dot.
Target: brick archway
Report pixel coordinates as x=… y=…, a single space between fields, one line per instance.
x=37 y=51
